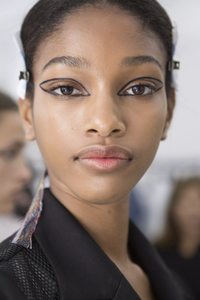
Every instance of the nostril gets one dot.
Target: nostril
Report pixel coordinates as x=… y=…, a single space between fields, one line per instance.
x=116 y=130
x=92 y=130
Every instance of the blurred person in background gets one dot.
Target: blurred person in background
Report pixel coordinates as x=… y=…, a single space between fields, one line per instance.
x=14 y=173
x=179 y=246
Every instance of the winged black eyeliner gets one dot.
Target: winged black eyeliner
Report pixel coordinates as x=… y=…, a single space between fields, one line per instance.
x=139 y=78
x=51 y=92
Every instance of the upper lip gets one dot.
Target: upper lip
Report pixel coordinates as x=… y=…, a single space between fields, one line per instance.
x=99 y=151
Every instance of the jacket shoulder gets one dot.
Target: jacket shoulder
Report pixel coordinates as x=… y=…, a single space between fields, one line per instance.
x=8 y=250
x=29 y=270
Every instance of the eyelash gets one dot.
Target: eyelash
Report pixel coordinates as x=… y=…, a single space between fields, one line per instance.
x=56 y=86
x=59 y=86
x=145 y=85
x=59 y=83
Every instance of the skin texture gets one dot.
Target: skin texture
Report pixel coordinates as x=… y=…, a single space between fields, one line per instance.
x=14 y=174
x=186 y=215
x=64 y=126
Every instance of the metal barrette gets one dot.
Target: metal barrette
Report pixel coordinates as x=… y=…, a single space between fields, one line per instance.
x=24 y=75
x=173 y=65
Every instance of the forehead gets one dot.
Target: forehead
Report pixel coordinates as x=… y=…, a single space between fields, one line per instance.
x=103 y=36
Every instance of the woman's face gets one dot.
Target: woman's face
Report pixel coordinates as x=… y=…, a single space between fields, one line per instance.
x=100 y=107
x=14 y=174
x=186 y=212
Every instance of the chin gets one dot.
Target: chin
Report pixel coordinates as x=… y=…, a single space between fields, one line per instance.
x=104 y=196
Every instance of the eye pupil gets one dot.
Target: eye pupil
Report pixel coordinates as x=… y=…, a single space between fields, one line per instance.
x=138 y=90
x=67 y=90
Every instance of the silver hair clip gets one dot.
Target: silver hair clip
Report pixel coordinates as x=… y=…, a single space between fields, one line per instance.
x=24 y=75
x=173 y=65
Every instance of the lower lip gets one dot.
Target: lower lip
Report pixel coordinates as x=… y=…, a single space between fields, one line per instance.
x=104 y=164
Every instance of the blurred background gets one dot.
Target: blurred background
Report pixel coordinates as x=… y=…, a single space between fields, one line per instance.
x=179 y=155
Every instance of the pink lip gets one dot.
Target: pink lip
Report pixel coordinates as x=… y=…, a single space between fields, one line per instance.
x=104 y=158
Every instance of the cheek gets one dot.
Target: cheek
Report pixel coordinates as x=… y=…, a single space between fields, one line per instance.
x=146 y=127
x=56 y=128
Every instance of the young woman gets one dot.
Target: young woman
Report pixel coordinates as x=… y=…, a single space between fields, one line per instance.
x=98 y=102
x=14 y=173
x=179 y=245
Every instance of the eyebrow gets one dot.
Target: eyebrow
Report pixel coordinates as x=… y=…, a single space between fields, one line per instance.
x=69 y=61
x=139 y=60
x=77 y=62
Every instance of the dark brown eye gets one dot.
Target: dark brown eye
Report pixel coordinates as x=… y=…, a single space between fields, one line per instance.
x=64 y=88
x=67 y=90
x=140 y=87
x=138 y=90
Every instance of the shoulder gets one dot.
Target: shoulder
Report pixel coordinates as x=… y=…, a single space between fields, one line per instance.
x=8 y=250
x=28 y=270
x=8 y=264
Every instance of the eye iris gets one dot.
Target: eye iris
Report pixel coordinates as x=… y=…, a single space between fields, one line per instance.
x=67 y=90
x=138 y=90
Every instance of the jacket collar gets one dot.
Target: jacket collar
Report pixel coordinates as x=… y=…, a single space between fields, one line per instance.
x=83 y=270
x=147 y=258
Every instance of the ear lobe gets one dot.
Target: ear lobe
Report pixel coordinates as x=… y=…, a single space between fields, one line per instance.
x=171 y=100
x=25 y=108
x=165 y=130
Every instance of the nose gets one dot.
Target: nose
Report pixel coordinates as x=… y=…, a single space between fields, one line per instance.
x=104 y=117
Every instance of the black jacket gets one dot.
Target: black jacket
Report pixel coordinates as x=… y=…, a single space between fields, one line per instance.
x=66 y=263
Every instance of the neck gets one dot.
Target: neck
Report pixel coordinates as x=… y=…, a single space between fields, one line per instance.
x=107 y=224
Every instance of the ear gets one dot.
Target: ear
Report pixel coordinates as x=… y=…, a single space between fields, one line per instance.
x=26 y=112
x=171 y=100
